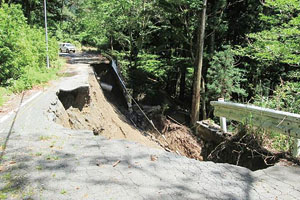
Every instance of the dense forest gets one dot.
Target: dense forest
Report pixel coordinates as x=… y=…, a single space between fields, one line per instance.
x=251 y=49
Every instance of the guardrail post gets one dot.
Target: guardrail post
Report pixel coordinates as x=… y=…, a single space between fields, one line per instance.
x=296 y=148
x=223 y=119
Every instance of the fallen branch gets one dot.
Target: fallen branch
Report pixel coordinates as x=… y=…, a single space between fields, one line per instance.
x=116 y=163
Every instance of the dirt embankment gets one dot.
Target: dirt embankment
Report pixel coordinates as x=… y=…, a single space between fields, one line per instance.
x=178 y=138
x=87 y=108
x=93 y=109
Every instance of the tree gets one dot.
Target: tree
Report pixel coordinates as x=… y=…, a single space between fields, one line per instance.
x=274 y=51
x=22 y=50
x=224 y=78
x=198 y=69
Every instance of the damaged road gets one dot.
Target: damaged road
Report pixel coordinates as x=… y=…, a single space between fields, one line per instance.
x=86 y=108
x=48 y=157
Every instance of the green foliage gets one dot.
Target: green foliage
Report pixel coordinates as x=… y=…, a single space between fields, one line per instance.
x=271 y=140
x=123 y=63
x=123 y=22
x=150 y=72
x=278 y=141
x=272 y=53
x=22 y=51
x=223 y=77
x=279 y=42
x=286 y=97
x=32 y=77
x=152 y=65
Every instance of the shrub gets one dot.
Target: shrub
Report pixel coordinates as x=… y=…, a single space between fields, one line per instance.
x=22 y=50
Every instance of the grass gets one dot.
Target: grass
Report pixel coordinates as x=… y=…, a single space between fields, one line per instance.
x=63 y=191
x=1 y=97
x=52 y=157
x=4 y=92
x=31 y=77
x=3 y=192
x=14 y=187
x=38 y=154
x=44 y=137
x=277 y=141
x=7 y=177
x=3 y=195
x=273 y=141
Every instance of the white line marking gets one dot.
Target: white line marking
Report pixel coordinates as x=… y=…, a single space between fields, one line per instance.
x=31 y=98
x=22 y=105
x=6 y=116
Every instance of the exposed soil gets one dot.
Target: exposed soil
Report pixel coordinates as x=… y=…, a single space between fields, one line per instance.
x=178 y=138
x=243 y=149
x=172 y=137
x=87 y=108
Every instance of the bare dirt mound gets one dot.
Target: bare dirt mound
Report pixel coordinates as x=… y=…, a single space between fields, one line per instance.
x=178 y=138
x=87 y=108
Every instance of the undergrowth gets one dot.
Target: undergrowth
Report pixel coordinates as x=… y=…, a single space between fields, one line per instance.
x=30 y=78
x=276 y=141
x=3 y=95
x=23 y=53
x=286 y=98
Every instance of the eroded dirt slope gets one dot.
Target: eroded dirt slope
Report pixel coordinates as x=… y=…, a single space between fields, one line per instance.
x=87 y=108
x=91 y=108
x=178 y=138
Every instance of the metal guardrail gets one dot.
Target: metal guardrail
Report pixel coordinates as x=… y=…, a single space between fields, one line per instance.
x=115 y=67
x=274 y=120
x=122 y=83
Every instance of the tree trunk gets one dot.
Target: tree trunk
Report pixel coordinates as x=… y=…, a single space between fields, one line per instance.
x=26 y=8
x=203 y=96
x=111 y=43
x=213 y=21
x=198 y=69
x=62 y=13
x=177 y=87
x=182 y=83
x=212 y=42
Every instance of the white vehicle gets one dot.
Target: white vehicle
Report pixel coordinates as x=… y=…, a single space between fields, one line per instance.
x=67 y=48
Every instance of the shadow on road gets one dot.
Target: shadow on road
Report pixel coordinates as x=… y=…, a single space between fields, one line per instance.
x=88 y=165
x=10 y=129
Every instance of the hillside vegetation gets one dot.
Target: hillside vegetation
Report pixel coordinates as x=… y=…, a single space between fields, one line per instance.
x=22 y=52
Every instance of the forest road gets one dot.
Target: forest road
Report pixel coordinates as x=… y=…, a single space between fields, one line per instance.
x=44 y=160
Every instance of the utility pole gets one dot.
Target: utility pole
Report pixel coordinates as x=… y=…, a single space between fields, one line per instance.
x=198 y=69
x=46 y=31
